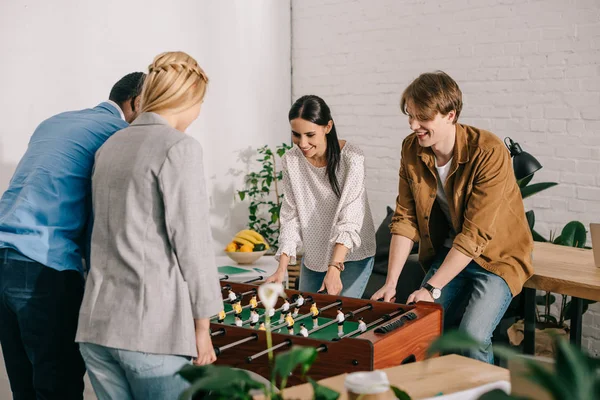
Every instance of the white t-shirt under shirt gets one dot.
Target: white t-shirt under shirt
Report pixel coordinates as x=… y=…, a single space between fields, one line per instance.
x=314 y=218
x=443 y=172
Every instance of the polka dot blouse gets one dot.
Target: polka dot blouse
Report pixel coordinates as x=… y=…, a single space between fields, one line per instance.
x=314 y=219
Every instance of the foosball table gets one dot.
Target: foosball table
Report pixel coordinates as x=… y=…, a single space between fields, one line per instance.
x=349 y=334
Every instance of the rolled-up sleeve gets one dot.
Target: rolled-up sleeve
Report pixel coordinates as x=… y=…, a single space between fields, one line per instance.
x=352 y=205
x=404 y=221
x=485 y=199
x=187 y=221
x=290 y=239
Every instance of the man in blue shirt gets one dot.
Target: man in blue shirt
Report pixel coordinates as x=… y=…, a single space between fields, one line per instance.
x=44 y=233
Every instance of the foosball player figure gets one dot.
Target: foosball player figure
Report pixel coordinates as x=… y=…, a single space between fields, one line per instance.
x=361 y=325
x=261 y=327
x=253 y=318
x=315 y=314
x=231 y=296
x=271 y=312
x=299 y=303
x=303 y=330
x=238 y=321
x=290 y=323
x=237 y=306
x=285 y=309
x=253 y=302
x=340 y=320
x=221 y=316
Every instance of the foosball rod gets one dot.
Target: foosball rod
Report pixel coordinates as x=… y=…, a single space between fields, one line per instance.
x=286 y=342
x=253 y=291
x=386 y=317
x=335 y=303
x=218 y=332
x=219 y=350
x=334 y=321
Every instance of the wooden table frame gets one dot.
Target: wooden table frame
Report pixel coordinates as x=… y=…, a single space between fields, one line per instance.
x=447 y=374
x=564 y=270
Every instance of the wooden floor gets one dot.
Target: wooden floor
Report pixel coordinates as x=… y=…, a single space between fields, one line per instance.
x=6 y=394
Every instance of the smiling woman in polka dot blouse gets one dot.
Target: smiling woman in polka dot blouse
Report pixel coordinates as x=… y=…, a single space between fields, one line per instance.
x=325 y=208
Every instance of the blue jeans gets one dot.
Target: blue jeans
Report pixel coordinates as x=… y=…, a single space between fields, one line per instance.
x=124 y=375
x=39 y=308
x=474 y=302
x=354 y=278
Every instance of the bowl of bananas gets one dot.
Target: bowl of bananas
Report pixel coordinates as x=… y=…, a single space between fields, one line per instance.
x=246 y=247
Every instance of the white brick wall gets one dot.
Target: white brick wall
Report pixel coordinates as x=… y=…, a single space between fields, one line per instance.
x=528 y=69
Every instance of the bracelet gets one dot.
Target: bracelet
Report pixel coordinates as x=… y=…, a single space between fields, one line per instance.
x=337 y=264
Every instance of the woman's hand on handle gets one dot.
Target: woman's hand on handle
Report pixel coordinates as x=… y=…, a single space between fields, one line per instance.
x=332 y=282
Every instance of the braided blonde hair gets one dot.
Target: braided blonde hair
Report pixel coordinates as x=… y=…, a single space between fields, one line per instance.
x=175 y=81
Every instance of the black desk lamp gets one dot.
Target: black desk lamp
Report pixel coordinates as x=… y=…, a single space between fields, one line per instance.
x=524 y=163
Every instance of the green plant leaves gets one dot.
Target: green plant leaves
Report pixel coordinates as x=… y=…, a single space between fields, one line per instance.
x=523 y=182
x=287 y=362
x=573 y=235
x=530 y=215
x=400 y=394
x=530 y=190
x=323 y=393
x=541 y=300
x=537 y=237
x=227 y=382
x=265 y=198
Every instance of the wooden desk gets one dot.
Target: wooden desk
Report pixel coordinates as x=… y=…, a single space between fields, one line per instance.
x=564 y=270
x=447 y=374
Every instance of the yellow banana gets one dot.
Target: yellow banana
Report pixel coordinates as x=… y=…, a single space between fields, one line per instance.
x=243 y=241
x=247 y=237
x=251 y=235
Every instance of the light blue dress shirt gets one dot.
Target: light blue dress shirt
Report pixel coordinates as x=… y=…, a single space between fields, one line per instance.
x=45 y=212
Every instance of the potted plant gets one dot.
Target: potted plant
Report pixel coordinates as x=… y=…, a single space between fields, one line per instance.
x=264 y=194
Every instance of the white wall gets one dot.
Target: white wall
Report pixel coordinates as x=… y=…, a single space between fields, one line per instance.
x=66 y=54
x=528 y=69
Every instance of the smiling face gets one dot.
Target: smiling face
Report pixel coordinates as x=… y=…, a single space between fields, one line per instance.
x=434 y=132
x=310 y=137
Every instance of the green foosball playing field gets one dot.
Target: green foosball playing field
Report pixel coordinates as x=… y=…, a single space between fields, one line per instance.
x=327 y=333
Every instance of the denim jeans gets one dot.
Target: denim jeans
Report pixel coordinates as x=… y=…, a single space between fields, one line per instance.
x=125 y=375
x=474 y=302
x=354 y=278
x=39 y=309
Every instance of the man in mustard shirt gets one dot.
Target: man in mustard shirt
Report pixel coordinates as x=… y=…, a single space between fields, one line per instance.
x=459 y=198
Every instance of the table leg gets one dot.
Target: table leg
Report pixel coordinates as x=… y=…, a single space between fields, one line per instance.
x=577 y=307
x=529 y=333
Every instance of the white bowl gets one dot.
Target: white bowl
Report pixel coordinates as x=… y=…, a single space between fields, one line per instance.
x=242 y=257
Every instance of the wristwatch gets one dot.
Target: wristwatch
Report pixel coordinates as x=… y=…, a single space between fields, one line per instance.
x=435 y=292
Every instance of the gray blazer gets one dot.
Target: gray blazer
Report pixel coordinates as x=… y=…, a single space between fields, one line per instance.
x=152 y=259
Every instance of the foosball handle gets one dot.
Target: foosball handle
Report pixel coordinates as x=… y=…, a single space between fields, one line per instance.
x=324 y=291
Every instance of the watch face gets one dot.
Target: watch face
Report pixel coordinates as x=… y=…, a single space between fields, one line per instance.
x=436 y=293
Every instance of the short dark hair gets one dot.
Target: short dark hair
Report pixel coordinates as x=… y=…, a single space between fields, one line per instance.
x=127 y=88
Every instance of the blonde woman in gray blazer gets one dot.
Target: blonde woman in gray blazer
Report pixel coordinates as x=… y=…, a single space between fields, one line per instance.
x=153 y=283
